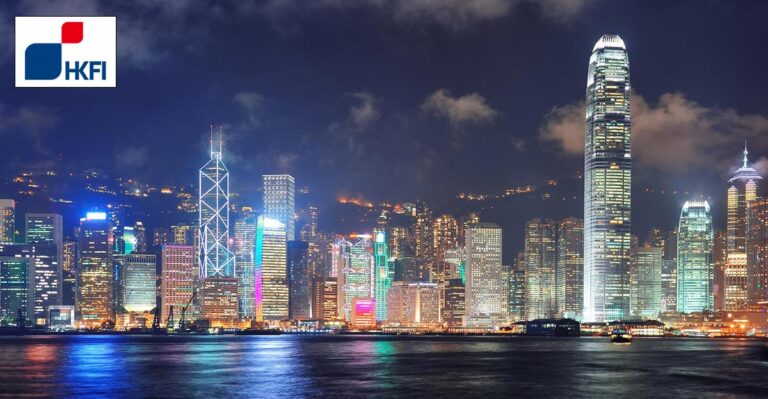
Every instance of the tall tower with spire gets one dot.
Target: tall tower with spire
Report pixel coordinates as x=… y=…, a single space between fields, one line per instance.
x=607 y=182
x=216 y=258
x=742 y=188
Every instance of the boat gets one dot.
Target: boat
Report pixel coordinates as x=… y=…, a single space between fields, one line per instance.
x=621 y=335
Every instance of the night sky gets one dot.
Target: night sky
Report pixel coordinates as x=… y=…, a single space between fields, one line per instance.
x=399 y=99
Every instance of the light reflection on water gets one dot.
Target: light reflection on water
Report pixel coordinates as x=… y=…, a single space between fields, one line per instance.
x=374 y=366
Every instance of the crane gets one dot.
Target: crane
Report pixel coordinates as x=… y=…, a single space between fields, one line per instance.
x=169 y=321
x=183 y=318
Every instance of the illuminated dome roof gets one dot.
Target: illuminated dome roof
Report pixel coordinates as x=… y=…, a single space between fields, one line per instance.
x=610 y=41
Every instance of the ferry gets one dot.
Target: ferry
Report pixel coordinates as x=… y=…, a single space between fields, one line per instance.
x=621 y=335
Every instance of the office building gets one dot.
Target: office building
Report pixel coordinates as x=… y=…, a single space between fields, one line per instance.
x=383 y=275
x=7 y=221
x=413 y=304
x=139 y=283
x=363 y=313
x=69 y=273
x=325 y=299
x=569 y=291
x=757 y=252
x=218 y=299
x=96 y=275
x=279 y=192
x=299 y=279
x=244 y=248
x=356 y=276
x=178 y=276
x=742 y=189
x=271 y=270
x=213 y=209
x=645 y=283
x=454 y=307
x=607 y=183
x=669 y=273
x=695 y=269
x=484 y=292
x=16 y=284
x=540 y=266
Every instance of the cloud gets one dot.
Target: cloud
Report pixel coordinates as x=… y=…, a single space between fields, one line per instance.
x=459 y=111
x=449 y=13
x=251 y=103
x=132 y=158
x=675 y=134
x=365 y=112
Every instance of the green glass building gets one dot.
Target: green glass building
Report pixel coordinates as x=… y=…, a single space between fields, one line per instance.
x=695 y=268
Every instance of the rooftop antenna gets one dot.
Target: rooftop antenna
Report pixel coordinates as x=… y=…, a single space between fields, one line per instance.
x=221 y=135
x=745 y=153
x=211 y=141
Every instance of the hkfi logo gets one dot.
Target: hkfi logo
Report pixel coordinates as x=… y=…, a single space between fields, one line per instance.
x=66 y=52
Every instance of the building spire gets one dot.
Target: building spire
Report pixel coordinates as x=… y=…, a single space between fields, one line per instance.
x=211 y=140
x=745 y=153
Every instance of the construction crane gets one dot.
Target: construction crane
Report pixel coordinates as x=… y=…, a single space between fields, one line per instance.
x=169 y=321
x=183 y=318
x=156 y=319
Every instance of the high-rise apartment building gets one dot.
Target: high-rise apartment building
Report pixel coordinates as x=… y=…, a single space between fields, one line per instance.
x=279 y=202
x=607 y=182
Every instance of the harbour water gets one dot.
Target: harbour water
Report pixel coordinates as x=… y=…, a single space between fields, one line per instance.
x=378 y=366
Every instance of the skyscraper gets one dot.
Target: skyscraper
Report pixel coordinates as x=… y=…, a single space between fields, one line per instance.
x=95 y=271
x=139 y=282
x=216 y=258
x=44 y=243
x=607 y=182
x=244 y=246
x=356 y=277
x=569 y=291
x=669 y=273
x=178 y=273
x=279 y=192
x=325 y=299
x=695 y=269
x=69 y=273
x=540 y=264
x=271 y=270
x=484 y=294
x=16 y=284
x=455 y=303
x=413 y=303
x=645 y=282
x=383 y=275
x=742 y=189
x=7 y=220
x=299 y=281
x=757 y=252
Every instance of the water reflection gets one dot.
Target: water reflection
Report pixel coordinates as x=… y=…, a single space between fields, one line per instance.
x=375 y=366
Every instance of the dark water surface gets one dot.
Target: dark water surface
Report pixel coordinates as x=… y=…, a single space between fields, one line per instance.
x=378 y=366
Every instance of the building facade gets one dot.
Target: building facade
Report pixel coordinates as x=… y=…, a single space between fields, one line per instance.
x=96 y=275
x=271 y=270
x=279 y=202
x=484 y=294
x=540 y=267
x=178 y=276
x=645 y=283
x=569 y=291
x=139 y=279
x=299 y=279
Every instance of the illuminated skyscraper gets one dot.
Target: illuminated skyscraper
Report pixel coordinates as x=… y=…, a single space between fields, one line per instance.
x=484 y=293
x=383 y=275
x=178 y=273
x=742 y=189
x=540 y=264
x=44 y=243
x=271 y=270
x=569 y=291
x=455 y=303
x=279 y=192
x=139 y=281
x=216 y=258
x=299 y=281
x=607 y=182
x=69 y=273
x=95 y=271
x=757 y=252
x=695 y=269
x=645 y=282
x=7 y=220
x=244 y=246
x=445 y=235
x=356 y=276
x=16 y=284
x=669 y=273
